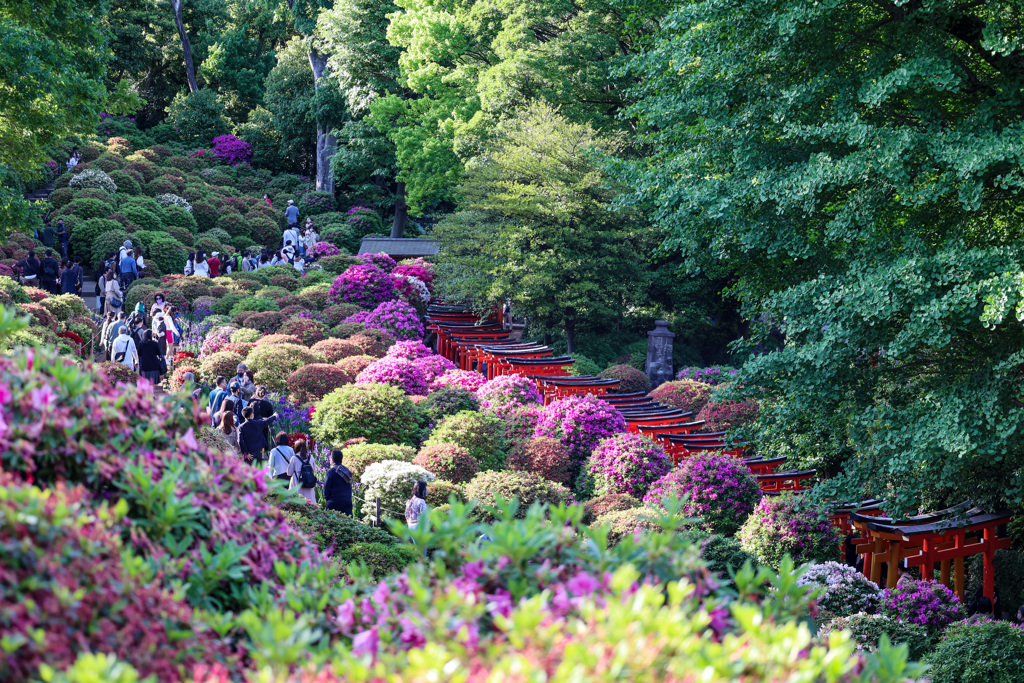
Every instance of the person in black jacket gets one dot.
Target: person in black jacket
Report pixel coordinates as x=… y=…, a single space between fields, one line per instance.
x=69 y=283
x=149 y=354
x=30 y=268
x=251 y=438
x=49 y=271
x=338 y=486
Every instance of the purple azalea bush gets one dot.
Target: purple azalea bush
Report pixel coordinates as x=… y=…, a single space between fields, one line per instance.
x=627 y=464
x=323 y=249
x=580 y=423
x=717 y=488
x=433 y=366
x=381 y=260
x=409 y=350
x=397 y=372
x=231 y=150
x=396 y=317
x=507 y=393
x=462 y=379
x=779 y=526
x=363 y=284
x=925 y=603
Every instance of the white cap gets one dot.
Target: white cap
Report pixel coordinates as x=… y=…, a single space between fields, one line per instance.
x=214 y=254
x=290 y=201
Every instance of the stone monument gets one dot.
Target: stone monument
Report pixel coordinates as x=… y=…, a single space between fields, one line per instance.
x=659 y=354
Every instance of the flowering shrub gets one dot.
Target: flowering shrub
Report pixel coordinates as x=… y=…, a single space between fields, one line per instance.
x=220 y=364
x=925 y=603
x=630 y=522
x=718 y=488
x=630 y=379
x=776 y=528
x=627 y=463
x=433 y=366
x=75 y=340
x=308 y=331
x=867 y=629
x=727 y=415
x=409 y=350
x=547 y=457
x=448 y=461
x=93 y=177
x=520 y=424
x=323 y=249
x=315 y=203
x=115 y=373
x=246 y=335
x=528 y=488
x=314 y=381
x=334 y=315
x=445 y=402
x=334 y=350
x=396 y=372
x=507 y=393
x=461 y=379
x=272 y=365
x=685 y=394
x=230 y=150
x=395 y=317
x=373 y=342
x=361 y=455
x=479 y=434
x=419 y=269
x=391 y=481
x=275 y=339
x=845 y=591
x=381 y=260
x=176 y=379
x=579 y=422
x=979 y=652
x=266 y=322
x=183 y=355
x=365 y=285
x=603 y=505
x=173 y=200
x=717 y=374
x=353 y=365
x=378 y=412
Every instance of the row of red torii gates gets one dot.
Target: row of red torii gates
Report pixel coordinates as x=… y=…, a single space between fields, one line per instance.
x=941 y=539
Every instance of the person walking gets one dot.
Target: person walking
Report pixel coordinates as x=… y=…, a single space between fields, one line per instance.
x=140 y=262
x=338 y=485
x=229 y=428
x=310 y=238
x=108 y=339
x=251 y=438
x=173 y=333
x=81 y=274
x=416 y=506
x=149 y=358
x=69 y=282
x=63 y=236
x=113 y=295
x=202 y=268
x=280 y=457
x=292 y=213
x=49 y=272
x=217 y=396
x=29 y=268
x=49 y=235
x=190 y=264
x=123 y=350
x=129 y=270
x=108 y=321
x=301 y=470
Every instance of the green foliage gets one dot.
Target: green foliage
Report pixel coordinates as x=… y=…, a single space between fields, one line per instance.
x=361 y=455
x=378 y=412
x=143 y=218
x=333 y=529
x=381 y=559
x=986 y=652
x=489 y=488
x=17 y=214
x=177 y=216
x=481 y=435
x=85 y=208
x=198 y=117
x=867 y=630
x=779 y=528
x=168 y=253
x=724 y=555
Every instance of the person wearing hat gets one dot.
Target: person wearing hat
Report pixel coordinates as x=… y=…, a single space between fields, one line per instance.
x=246 y=386
x=214 y=263
x=129 y=270
x=239 y=403
x=123 y=251
x=292 y=213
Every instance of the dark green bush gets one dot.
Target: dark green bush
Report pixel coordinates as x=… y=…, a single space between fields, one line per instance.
x=482 y=435
x=332 y=529
x=126 y=183
x=143 y=218
x=381 y=413
x=84 y=209
x=487 y=487
x=177 y=216
x=985 y=652
x=381 y=559
x=205 y=214
x=233 y=224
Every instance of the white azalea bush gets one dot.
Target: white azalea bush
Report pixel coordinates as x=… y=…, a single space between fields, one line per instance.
x=391 y=481
x=169 y=199
x=93 y=177
x=844 y=590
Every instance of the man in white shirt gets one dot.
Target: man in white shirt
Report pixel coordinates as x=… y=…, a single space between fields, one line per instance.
x=124 y=351
x=291 y=235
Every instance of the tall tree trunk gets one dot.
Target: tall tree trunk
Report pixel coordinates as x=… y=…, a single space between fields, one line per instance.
x=570 y=336
x=401 y=213
x=326 y=144
x=186 y=46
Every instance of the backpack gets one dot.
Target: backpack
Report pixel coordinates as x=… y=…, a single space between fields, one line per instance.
x=307 y=479
x=50 y=268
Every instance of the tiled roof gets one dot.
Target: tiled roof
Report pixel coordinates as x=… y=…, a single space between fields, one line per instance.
x=403 y=246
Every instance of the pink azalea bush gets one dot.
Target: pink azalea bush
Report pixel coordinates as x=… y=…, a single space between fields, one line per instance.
x=726 y=415
x=412 y=289
x=717 y=488
x=396 y=317
x=397 y=372
x=779 y=526
x=409 y=350
x=925 y=603
x=464 y=379
x=324 y=249
x=363 y=284
x=580 y=422
x=381 y=260
x=434 y=366
x=628 y=464
x=419 y=269
x=507 y=393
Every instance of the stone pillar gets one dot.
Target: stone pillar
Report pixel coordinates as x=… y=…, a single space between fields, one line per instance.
x=659 y=353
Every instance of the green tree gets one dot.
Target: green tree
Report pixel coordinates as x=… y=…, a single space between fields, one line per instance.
x=535 y=227
x=854 y=169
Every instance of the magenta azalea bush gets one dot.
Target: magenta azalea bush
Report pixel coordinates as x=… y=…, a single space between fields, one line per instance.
x=463 y=379
x=409 y=350
x=723 y=416
x=396 y=317
x=717 y=488
x=381 y=260
x=507 y=393
x=397 y=372
x=580 y=422
x=434 y=366
x=231 y=150
x=778 y=526
x=925 y=603
x=412 y=289
x=324 y=249
x=364 y=284
x=419 y=269
x=627 y=464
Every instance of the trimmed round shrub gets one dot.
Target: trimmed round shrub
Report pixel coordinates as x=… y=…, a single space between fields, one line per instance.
x=84 y=209
x=272 y=365
x=97 y=194
x=314 y=381
x=685 y=394
x=116 y=372
x=448 y=461
x=520 y=424
x=346 y=330
x=603 y=505
x=61 y=198
x=316 y=203
x=724 y=555
x=717 y=488
x=842 y=590
x=397 y=372
x=440 y=491
x=373 y=342
x=378 y=412
x=440 y=404
x=361 y=455
x=480 y=434
x=94 y=178
x=267 y=322
x=246 y=336
x=507 y=393
x=308 y=331
x=547 y=457
x=397 y=318
x=143 y=218
x=776 y=528
x=126 y=183
x=486 y=488
x=364 y=285
x=926 y=603
x=627 y=463
x=382 y=559
x=580 y=423
x=315 y=297
x=458 y=379
x=221 y=363
x=139 y=291
x=355 y=364
x=433 y=366
x=391 y=481
x=630 y=379
x=380 y=259
x=334 y=350
x=867 y=630
x=337 y=313
x=233 y=224
x=625 y=523
x=583 y=366
x=205 y=214
x=178 y=216
x=979 y=652
x=333 y=529
x=727 y=415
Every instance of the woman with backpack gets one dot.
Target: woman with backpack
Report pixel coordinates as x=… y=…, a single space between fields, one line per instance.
x=301 y=471
x=281 y=457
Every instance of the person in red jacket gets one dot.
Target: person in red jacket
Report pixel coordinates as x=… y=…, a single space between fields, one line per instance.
x=214 y=264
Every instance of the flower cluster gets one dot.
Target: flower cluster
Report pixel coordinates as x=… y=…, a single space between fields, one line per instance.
x=464 y=379
x=685 y=394
x=75 y=339
x=419 y=269
x=409 y=350
x=925 y=603
x=291 y=417
x=168 y=199
x=844 y=590
x=381 y=260
x=448 y=461
x=779 y=526
x=323 y=249
x=231 y=150
x=727 y=415
x=396 y=317
x=183 y=355
x=627 y=463
x=580 y=422
x=717 y=488
x=717 y=374
x=363 y=284
x=411 y=289
x=390 y=481
x=434 y=366
x=507 y=393
x=93 y=177
x=397 y=372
